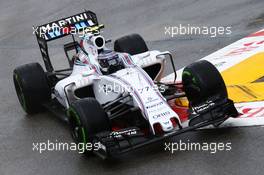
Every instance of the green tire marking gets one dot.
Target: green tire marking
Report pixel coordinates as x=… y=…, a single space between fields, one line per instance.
x=84 y=135
x=194 y=80
x=76 y=116
x=186 y=73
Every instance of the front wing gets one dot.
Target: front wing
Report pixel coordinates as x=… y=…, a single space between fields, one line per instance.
x=121 y=141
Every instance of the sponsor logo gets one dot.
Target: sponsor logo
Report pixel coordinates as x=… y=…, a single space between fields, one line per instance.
x=163 y=114
x=118 y=134
x=64 y=22
x=204 y=106
x=151 y=99
x=220 y=64
x=71 y=25
x=154 y=105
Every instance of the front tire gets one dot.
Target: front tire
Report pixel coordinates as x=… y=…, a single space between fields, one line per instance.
x=87 y=118
x=201 y=80
x=31 y=87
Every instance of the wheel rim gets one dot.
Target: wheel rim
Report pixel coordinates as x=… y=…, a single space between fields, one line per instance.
x=19 y=91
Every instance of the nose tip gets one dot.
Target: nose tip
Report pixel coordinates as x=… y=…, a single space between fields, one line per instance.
x=167 y=126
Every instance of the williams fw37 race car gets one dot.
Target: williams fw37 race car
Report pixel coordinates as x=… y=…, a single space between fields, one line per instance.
x=115 y=97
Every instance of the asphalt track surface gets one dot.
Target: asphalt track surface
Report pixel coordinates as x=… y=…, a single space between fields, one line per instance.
x=147 y=17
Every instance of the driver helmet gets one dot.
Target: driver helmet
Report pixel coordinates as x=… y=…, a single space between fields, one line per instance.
x=109 y=60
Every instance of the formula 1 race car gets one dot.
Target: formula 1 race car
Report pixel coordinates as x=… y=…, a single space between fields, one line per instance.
x=115 y=97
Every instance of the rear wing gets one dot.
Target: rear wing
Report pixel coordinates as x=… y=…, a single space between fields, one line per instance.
x=57 y=29
x=66 y=26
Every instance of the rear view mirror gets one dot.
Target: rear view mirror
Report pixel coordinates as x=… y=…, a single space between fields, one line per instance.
x=70 y=47
x=168 y=55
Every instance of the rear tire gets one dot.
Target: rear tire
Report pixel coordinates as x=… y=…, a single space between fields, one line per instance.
x=87 y=118
x=201 y=80
x=132 y=44
x=31 y=87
